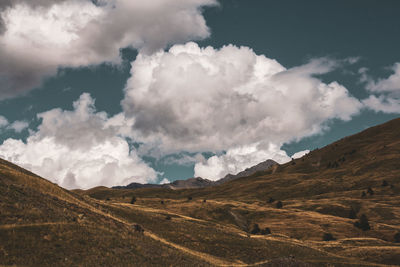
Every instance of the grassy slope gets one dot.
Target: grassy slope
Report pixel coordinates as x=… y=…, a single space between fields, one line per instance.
x=42 y=224
x=318 y=191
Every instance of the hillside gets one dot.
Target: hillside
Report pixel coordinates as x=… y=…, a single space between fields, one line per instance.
x=325 y=192
x=321 y=197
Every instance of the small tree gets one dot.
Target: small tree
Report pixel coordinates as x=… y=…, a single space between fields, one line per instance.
x=189 y=198
x=255 y=230
x=162 y=202
x=363 y=223
x=204 y=200
x=168 y=218
x=271 y=200
x=266 y=231
x=133 y=200
x=397 y=237
x=384 y=183
x=328 y=237
x=279 y=204
x=363 y=194
x=370 y=191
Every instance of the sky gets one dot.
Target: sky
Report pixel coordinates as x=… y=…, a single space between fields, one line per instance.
x=110 y=92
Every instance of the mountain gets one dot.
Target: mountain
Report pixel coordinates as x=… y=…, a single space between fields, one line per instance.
x=262 y=166
x=199 y=182
x=340 y=203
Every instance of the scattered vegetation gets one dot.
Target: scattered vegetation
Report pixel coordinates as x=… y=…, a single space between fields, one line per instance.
x=256 y=229
x=397 y=237
x=363 y=223
x=279 y=204
x=328 y=237
x=133 y=200
x=370 y=191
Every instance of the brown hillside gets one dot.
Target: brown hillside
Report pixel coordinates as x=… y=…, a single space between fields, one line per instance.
x=321 y=193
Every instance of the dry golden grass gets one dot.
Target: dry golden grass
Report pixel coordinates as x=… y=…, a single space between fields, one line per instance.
x=42 y=224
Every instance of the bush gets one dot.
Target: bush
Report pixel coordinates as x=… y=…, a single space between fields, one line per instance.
x=189 y=198
x=133 y=200
x=363 y=194
x=204 y=200
x=138 y=228
x=255 y=230
x=384 y=183
x=328 y=237
x=279 y=204
x=352 y=214
x=168 y=218
x=370 y=191
x=271 y=200
x=266 y=231
x=162 y=202
x=397 y=237
x=363 y=223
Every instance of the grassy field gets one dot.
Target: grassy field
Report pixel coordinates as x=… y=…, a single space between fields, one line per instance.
x=323 y=195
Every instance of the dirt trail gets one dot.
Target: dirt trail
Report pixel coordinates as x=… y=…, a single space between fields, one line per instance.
x=11 y=226
x=203 y=256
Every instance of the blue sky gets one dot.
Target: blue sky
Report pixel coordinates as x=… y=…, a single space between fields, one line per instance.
x=111 y=93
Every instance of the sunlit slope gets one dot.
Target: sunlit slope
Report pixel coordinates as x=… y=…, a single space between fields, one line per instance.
x=42 y=224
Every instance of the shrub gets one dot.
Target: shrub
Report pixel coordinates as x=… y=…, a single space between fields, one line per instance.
x=138 y=228
x=279 y=204
x=168 y=218
x=255 y=230
x=189 y=198
x=384 y=183
x=363 y=194
x=108 y=199
x=271 y=200
x=133 y=200
x=266 y=231
x=352 y=214
x=204 y=200
x=397 y=237
x=328 y=237
x=370 y=191
x=363 y=223
x=162 y=202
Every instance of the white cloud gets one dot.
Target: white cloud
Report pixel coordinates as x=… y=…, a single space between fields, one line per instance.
x=383 y=103
x=165 y=181
x=385 y=95
x=300 y=154
x=18 y=126
x=238 y=159
x=230 y=99
x=204 y=99
x=390 y=84
x=36 y=39
x=3 y=121
x=81 y=148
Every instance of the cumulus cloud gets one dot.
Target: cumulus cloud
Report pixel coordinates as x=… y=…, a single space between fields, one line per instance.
x=300 y=154
x=37 y=37
x=81 y=148
x=18 y=126
x=385 y=95
x=3 y=121
x=230 y=99
x=205 y=99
